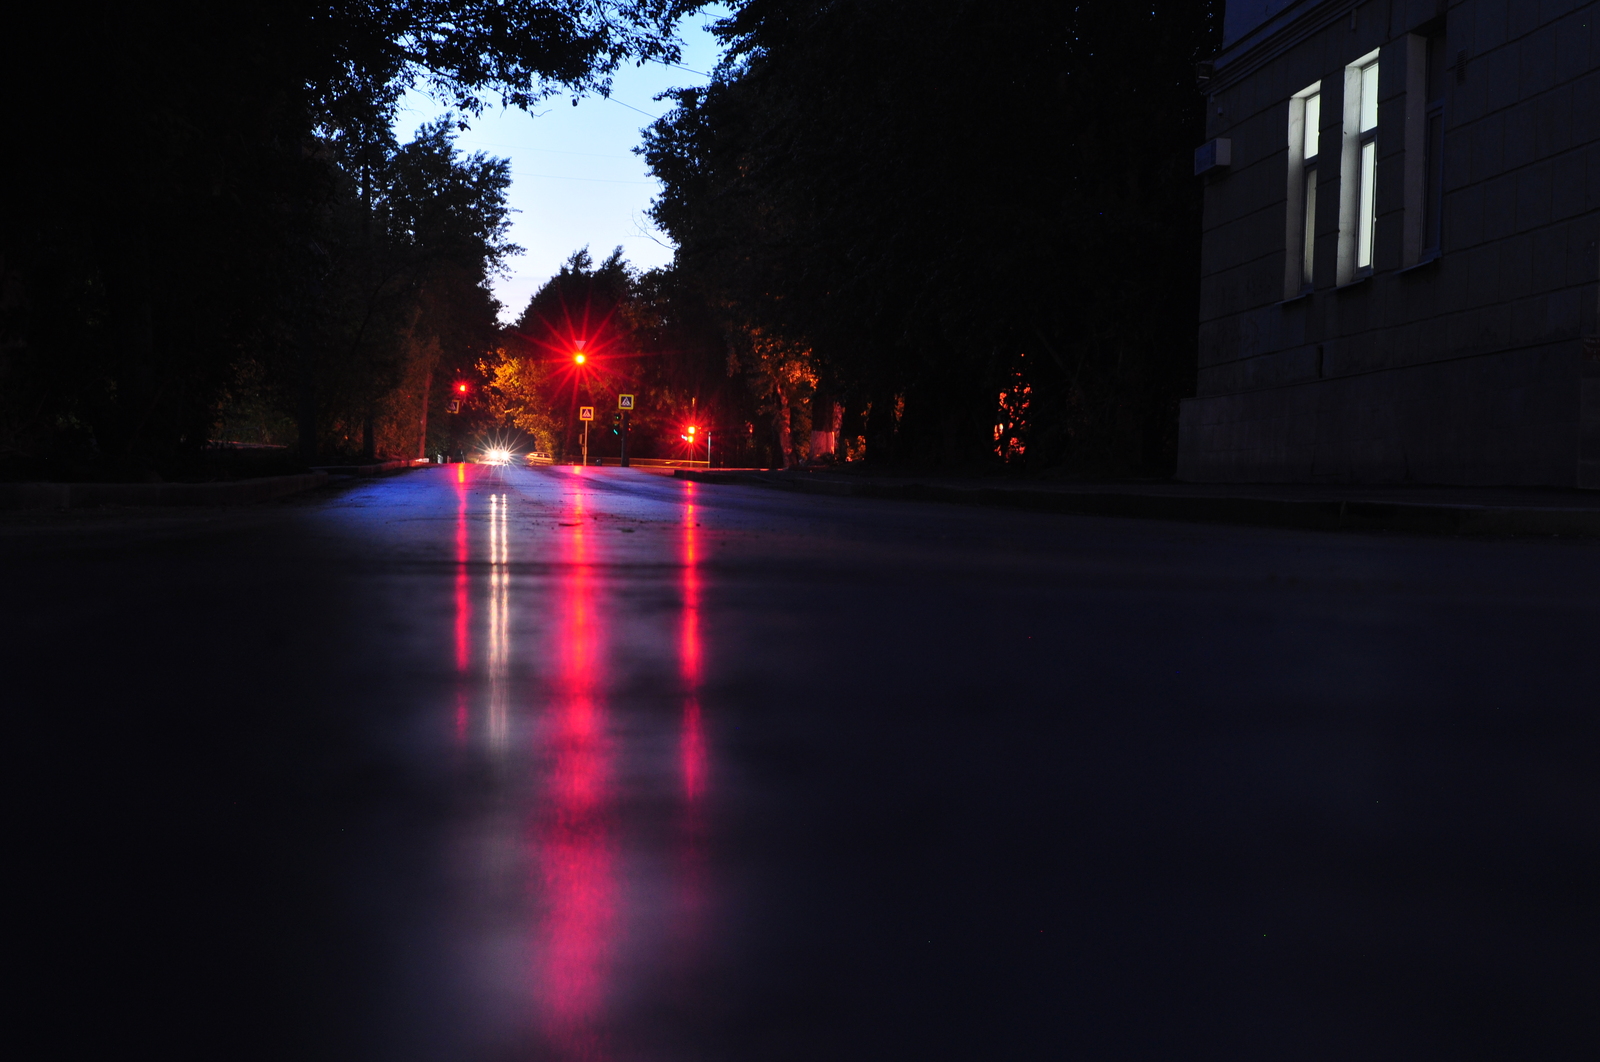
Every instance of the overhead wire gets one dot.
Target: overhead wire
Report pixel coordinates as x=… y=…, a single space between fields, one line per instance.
x=559 y=177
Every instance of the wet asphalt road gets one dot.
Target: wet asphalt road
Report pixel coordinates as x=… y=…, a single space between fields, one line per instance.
x=482 y=764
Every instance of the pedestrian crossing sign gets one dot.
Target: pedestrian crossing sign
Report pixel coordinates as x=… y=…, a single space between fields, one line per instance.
x=624 y=401
x=585 y=412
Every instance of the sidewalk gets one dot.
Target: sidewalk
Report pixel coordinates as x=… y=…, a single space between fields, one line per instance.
x=88 y=495
x=229 y=492
x=143 y=495
x=1428 y=510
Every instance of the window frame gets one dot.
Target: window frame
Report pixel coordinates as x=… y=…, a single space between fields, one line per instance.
x=1426 y=86
x=1358 y=193
x=1300 y=235
x=1367 y=174
x=1433 y=148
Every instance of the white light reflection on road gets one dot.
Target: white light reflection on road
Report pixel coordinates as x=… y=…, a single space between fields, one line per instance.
x=499 y=605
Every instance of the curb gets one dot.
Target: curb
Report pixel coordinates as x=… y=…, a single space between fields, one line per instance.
x=1302 y=513
x=365 y=470
x=88 y=495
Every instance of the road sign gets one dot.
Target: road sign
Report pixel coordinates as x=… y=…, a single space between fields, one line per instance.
x=624 y=401
x=585 y=412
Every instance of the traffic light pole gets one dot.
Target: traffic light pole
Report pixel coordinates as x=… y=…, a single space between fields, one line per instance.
x=585 y=444
x=624 y=436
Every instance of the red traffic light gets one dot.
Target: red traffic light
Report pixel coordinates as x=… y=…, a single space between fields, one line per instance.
x=580 y=357
x=462 y=388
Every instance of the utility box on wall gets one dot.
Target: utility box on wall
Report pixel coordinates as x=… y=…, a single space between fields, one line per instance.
x=1213 y=155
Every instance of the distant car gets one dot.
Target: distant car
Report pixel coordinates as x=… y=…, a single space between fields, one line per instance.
x=496 y=457
x=539 y=457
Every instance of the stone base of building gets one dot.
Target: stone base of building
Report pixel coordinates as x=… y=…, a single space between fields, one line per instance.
x=1527 y=417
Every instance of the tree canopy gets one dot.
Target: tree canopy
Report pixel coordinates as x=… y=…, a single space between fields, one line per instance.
x=222 y=190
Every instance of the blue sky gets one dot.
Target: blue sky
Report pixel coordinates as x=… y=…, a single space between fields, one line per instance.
x=574 y=179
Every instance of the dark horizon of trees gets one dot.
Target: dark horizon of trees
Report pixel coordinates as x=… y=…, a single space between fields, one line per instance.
x=974 y=224
x=223 y=224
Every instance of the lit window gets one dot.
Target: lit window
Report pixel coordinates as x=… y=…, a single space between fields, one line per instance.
x=1369 y=165
x=1305 y=126
x=1358 y=184
x=1313 y=125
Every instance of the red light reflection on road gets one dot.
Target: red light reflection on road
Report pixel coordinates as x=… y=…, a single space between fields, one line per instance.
x=692 y=745
x=691 y=886
x=463 y=610
x=575 y=850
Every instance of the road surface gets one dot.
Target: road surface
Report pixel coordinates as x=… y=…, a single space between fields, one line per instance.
x=493 y=764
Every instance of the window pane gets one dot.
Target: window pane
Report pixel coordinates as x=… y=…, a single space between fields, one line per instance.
x=1435 y=190
x=1369 y=158
x=1437 y=62
x=1369 y=97
x=1309 y=243
x=1313 y=124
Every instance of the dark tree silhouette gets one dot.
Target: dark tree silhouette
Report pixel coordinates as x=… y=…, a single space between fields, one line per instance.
x=952 y=202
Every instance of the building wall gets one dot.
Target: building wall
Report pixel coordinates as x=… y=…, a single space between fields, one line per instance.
x=1470 y=369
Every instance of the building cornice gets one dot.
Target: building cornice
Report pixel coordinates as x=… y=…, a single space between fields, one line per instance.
x=1283 y=31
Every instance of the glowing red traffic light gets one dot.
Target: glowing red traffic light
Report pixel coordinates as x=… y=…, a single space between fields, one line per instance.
x=462 y=388
x=580 y=357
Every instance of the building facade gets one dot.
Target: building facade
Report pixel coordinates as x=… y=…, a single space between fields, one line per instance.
x=1401 y=252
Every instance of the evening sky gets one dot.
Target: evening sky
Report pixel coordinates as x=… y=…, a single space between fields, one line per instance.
x=575 y=181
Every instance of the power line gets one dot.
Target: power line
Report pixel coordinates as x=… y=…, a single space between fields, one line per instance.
x=675 y=66
x=547 y=151
x=631 y=107
x=559 y=177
